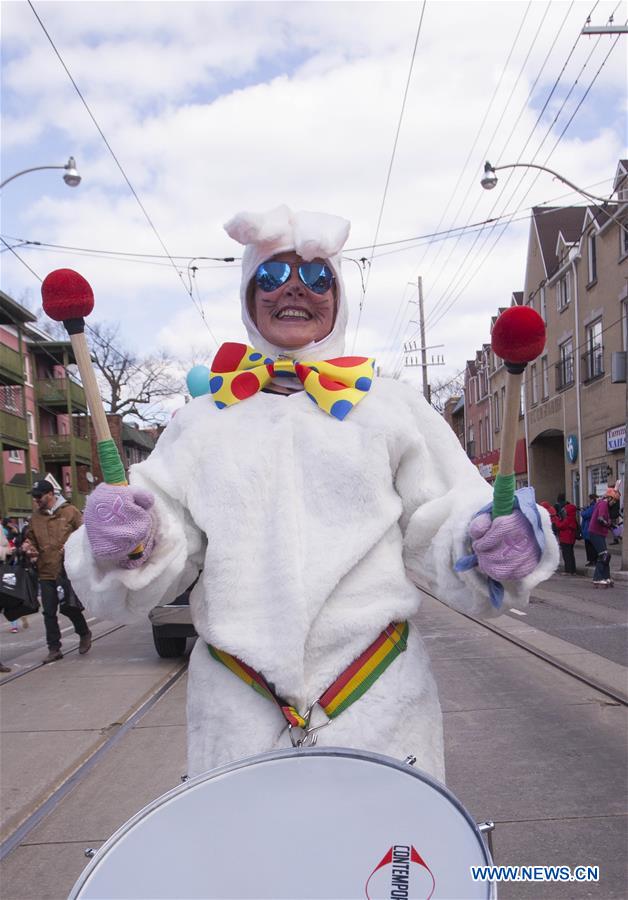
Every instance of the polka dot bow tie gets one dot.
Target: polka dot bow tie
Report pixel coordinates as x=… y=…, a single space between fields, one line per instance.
x=335 y=385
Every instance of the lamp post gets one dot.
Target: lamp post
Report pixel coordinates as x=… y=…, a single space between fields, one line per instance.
x=71 y=176
x=488 y=182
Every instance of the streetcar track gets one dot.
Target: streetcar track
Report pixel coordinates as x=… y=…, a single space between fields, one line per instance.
x=550 y=660
x=16 y=838
x=55 y=798
x=40 y=665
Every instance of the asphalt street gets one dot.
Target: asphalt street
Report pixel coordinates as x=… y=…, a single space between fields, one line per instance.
x=541 y=753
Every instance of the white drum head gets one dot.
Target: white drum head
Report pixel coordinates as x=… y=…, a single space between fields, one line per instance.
x=317 y=823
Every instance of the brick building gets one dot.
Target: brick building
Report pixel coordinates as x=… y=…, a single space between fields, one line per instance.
x=572 y=428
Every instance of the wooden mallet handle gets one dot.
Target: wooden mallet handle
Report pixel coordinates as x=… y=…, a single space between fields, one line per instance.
x=518 y=337
x=67 y=297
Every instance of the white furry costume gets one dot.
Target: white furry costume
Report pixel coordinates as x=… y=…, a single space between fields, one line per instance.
x=312 y=534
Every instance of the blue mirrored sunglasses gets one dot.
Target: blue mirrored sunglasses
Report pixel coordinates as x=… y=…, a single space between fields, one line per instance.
x=316 y=276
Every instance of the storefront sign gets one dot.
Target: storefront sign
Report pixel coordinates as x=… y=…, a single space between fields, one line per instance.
x=485 y=470
x=572 y=448
x=616 y=438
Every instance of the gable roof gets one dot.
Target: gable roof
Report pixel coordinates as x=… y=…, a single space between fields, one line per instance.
x=550 y=222
x=137 y=436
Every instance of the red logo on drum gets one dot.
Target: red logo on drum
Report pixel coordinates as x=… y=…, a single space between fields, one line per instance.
x=402 y=874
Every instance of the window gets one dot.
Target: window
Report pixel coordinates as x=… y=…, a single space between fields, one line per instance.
x=522 y=399
x=10 y=399
x=496 y=411
x=543 y=303
x=594 y=357
x=470 y=442
x=534 y=384
x=597 y=477
x=544 y=378
x=481 y=430
x=564 y=369
x=592 y=257
x=30 y=424
x=15 y=456
x=623 y=240
x=563 y=291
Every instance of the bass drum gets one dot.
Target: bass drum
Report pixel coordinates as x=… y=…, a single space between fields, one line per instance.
x=311 y=823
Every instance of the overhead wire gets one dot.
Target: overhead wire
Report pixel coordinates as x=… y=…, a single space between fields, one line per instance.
x=442 y=307
x=415 y=239
x=459 y=269
x=443 y=312
x=132 y=366
x=119 y=165
x=390 y=166
x=505 y=108
x=460 y=273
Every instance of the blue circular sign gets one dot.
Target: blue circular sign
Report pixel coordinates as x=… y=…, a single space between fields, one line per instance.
x=572 y=448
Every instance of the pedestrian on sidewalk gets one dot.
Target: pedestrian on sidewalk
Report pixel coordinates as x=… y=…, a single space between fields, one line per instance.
x=585 y=519
x=52 y=523
x=567 y=528
x=599 y=527
x=561 y=502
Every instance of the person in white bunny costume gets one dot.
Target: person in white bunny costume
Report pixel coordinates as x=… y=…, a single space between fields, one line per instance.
x=313 y=523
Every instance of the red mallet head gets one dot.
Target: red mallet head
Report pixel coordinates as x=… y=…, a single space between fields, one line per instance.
x=66 y=295
x=518 y=335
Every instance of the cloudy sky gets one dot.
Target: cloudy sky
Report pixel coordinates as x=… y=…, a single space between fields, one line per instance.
x=208 y=108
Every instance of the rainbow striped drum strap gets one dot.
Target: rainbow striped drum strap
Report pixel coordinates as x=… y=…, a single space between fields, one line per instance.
x=346 y=689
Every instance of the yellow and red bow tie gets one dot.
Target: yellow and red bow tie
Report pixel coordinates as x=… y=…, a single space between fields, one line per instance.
x=335 y=385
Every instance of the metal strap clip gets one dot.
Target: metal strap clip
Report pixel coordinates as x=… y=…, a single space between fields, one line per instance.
x=310 y=735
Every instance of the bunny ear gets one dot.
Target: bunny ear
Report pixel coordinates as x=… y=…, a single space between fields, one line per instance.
x=260 y=228
x=319 y=234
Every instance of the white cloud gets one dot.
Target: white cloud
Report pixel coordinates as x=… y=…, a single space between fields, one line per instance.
x=214 y=107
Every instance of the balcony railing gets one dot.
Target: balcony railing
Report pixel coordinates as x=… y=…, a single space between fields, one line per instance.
x=58 y=447
x=593 y=363
x=16 y=499
x=564 y=373
x=13 y=431
x=54 y=392
x=11 y=365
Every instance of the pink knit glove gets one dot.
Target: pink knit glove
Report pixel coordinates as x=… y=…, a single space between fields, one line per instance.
x=505 y=547
x=117 y=519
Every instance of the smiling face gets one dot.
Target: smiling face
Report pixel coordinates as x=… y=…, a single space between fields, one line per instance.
x=292 y=316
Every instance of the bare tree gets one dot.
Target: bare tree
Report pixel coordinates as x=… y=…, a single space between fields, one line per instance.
x=444 y=388
x=130 y=385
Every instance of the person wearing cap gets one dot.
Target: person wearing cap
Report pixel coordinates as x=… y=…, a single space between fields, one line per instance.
x=317 y=499
x=52 y=523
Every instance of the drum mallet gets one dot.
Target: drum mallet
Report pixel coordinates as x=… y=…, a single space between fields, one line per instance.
x=518 y=337
x=67 y=297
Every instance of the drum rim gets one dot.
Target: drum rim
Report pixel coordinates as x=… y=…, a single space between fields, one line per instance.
x=270 y=756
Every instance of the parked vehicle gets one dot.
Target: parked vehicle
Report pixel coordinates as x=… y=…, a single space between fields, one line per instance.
x=172 y=626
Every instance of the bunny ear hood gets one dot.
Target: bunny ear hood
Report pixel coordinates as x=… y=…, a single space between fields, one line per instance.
x=311 y=235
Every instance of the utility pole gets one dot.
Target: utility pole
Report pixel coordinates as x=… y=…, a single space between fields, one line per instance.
x=423 y=348
x=426 y=387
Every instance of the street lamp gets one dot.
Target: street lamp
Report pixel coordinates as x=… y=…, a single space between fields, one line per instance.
x=489 y=181
x=71 y=176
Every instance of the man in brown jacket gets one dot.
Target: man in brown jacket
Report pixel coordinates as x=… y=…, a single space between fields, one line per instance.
x=52 y=523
